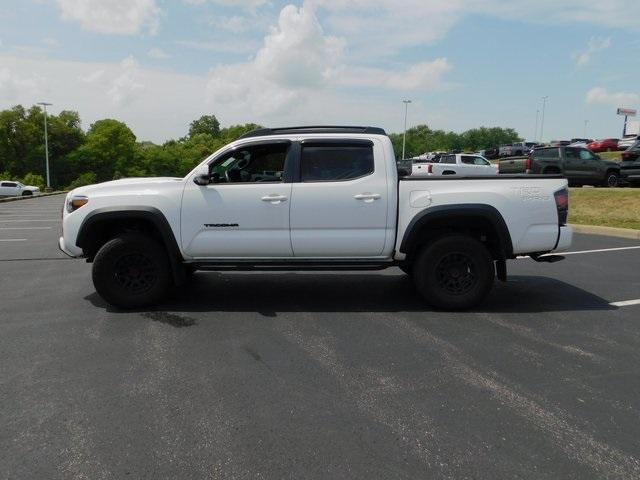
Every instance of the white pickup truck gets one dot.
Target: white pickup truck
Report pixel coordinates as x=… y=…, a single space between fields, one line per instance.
x=309 y=198
x=460 y=164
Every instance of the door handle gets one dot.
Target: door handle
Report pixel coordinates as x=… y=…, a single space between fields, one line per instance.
x=367 y=197
x=274 y=199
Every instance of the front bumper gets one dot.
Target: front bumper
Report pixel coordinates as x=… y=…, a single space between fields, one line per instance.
x=73 y=252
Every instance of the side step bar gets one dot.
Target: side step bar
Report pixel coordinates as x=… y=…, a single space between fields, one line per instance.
x=547 y=258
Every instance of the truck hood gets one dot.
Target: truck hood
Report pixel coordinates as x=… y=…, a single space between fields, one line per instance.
x=125 y=184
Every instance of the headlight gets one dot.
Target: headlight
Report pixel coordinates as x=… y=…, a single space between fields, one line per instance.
x=75 y=202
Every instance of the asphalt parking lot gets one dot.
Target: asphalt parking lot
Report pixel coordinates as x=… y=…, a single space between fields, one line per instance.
x=317 y=375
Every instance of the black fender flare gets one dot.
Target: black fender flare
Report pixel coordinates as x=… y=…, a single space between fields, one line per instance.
x=149 y=214
x=421 y=220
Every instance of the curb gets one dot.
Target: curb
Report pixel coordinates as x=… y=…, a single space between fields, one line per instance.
x=606 y=231
x=30 y=197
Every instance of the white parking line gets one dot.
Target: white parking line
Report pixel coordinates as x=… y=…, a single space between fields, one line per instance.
x=600 y=250
x=34 y=220
x=625 y=303
x=26 y=228
x=13 y=239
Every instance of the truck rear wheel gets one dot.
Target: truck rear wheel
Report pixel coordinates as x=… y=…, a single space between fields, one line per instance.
x=131 y=271
x=455 y=272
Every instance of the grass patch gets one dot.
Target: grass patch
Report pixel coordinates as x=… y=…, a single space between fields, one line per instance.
x=607 y=207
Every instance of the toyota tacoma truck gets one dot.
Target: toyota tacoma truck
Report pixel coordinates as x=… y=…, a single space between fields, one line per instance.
x=309 y=198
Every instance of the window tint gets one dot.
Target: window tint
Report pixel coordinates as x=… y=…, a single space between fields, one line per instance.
x=252 y=163
x=572 y=154
x=467 y=160
x=586 y=155
x=326 y=163
x=448 y=159
x=8 y=184
x=551 y=153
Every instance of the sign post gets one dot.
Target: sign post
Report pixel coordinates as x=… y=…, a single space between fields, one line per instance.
x=627 y=112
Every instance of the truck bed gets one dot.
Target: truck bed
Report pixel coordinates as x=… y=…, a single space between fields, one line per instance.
x=507 y=195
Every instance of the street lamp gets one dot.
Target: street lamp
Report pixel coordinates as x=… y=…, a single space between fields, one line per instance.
x=404 y=137
x=535 y=132
x=46 y=141
x=544 y=103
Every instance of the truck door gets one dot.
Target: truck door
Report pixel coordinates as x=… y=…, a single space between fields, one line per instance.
x=244 y=212
x=339 y=203
x=573 y=166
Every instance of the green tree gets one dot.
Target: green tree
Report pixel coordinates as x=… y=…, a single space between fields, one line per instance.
x=109 y=151
x=207 y=124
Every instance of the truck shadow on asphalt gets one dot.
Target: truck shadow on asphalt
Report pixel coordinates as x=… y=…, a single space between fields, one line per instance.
x=356 y=292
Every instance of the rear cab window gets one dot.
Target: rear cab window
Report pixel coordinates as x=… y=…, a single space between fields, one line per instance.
x=327 y=161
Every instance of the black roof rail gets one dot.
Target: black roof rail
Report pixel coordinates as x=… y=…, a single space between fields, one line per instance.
x=262 y=132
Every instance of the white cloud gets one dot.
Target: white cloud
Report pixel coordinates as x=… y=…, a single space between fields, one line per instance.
x=600 y=95
x=122 y=83
x=420 y=77
x=50 y=42
x=228 y=45
x=158 y=54
x=15 y=85
x=250 y=4
x=384 y=27
x=296 y=55
x=120 y=17
x=595 y=45
x=298 y=62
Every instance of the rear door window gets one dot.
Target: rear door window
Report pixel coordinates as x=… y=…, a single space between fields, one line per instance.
x=326 y=162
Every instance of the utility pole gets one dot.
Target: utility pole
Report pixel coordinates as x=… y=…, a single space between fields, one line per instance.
x=404 y=137
x=46 y=142
x=535 y=132
x=544 y=104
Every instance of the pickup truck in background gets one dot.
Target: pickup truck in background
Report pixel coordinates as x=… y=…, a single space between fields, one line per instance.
x=461 y=164
x=630 y=165
x=309 y=198
x=579 y=165
x=516 y=149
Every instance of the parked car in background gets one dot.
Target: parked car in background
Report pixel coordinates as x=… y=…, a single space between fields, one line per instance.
x=461 y=164
x=630 y=165
x=516 y=149
x=580 y=142
x=17 y=189
x=490 y=153
x=579 y=165
x=627 y=141
x=559 y=143
x=604 y=145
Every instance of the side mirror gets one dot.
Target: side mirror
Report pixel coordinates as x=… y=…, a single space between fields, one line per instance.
x=202 y=179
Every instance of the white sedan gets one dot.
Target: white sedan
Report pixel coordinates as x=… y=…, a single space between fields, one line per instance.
x=17 y=189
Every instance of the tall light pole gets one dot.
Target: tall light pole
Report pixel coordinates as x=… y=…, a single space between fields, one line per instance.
x=46 y=142
x=584 y=134
x=535 y=132
x=544 y=104
x=404 y=137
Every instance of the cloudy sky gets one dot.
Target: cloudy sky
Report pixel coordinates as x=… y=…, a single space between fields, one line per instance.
x=158 y=64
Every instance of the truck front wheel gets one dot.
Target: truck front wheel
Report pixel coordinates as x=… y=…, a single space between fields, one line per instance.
x=454 y=272
x=131 y=270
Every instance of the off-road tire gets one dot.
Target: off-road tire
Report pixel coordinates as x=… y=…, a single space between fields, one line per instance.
x=131 y=271
x=454 y=272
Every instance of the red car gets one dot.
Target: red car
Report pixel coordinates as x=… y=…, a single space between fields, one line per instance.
x=604 y=145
